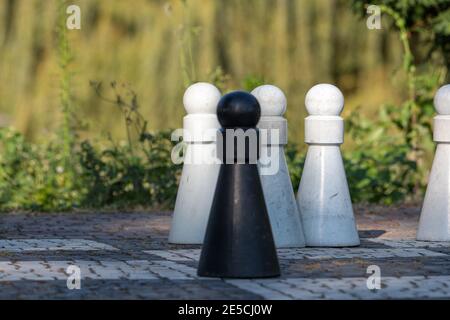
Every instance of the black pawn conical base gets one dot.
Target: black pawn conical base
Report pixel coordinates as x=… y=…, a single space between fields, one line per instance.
x=238 y=241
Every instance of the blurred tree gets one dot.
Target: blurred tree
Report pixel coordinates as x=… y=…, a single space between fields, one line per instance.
x=426 y=24
x=158 y=47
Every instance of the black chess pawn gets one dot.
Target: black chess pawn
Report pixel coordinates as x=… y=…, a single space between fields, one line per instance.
x=238 y=241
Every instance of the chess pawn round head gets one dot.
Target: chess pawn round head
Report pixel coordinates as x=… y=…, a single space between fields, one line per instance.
x=324 y=100
x=272 y=100
x=201 y=97
x=238 y=109
x=442 y=100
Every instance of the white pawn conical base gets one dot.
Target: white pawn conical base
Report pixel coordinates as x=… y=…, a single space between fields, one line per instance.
x=323 y=197
x=281 y=205
x=324 y=200
x=201 y=167
x=434 y=222
x=279 y=195
x=195 y=196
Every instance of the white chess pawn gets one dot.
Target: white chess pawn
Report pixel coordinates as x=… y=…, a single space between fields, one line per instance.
x=434 y=222
x=277 y=186
x=323 y=197
x=200 y=169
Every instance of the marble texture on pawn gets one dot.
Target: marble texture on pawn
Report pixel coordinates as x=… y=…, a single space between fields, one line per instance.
x=200 y=169
x=278 y=191
x=323 y=197
x=434 y=224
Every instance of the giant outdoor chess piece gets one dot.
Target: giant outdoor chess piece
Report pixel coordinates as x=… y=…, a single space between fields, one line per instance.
x=238 y=241
x=323 y=197
x=278 y=191
x=434 y=222
x=200 y=169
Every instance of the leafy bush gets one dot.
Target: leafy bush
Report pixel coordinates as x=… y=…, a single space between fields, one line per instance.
x=136 y=172
x=117 y=177
x=378 y=168
x=33 y=176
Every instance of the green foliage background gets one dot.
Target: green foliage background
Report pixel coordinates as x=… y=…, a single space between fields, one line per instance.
x=69 y=141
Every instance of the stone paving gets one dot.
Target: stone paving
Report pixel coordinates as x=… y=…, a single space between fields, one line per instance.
x=126 y=256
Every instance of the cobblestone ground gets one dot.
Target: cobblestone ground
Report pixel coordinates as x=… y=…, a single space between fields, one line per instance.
x=126 y=256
